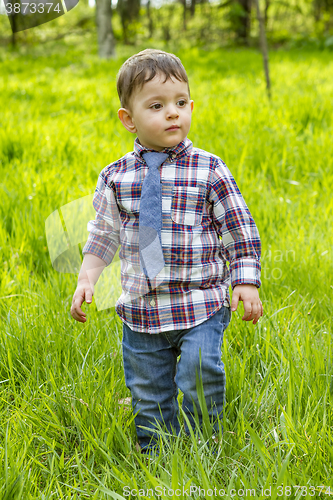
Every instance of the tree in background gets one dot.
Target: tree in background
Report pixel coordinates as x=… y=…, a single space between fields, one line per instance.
x=244 y=26
x=321 y=6
x=196 y=21
x=106 y=44
x=150 y=20
x=240 y=18
x=128 y=11
x=267 y=5
x=192 y=7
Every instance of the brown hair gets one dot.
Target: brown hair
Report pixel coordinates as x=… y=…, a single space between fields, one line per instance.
x=143 y=67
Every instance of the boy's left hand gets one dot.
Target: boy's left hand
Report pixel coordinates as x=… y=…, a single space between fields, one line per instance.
x=249 y=295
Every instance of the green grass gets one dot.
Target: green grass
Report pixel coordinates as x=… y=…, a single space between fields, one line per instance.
x=65 y=431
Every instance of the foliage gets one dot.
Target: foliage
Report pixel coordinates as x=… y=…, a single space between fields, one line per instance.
x=66 y=428
x=128 y=11
x=214 y=24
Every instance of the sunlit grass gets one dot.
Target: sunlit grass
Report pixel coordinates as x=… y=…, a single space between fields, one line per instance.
x=66 y=428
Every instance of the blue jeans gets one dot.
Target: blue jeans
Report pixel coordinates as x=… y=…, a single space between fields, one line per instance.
x=154 y=376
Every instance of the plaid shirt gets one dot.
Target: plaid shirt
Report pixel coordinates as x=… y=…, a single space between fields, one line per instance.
x=205 y=222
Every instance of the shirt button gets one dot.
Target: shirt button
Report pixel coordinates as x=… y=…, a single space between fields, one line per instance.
x=152 y=302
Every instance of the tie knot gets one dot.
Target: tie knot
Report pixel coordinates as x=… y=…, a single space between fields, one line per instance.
x=154 y=159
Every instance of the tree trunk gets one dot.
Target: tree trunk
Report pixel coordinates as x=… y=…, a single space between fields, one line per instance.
x=244 y=25
x=168 y=22
x=264 y=50
x=192 y=7
x=329 y=5
x=267 y=5
x=106 y=44
x=150 y=20
x=321 y=6
x=317 y=5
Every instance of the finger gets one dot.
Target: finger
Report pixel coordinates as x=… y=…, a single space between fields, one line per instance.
x=254 y=312
x=259 y=313
x=79 y=319
x=247 y=312
x=257 y=316
x=234 y=301
x=88 y=296
x=78 y=316
x=261 y=310
x=76 y=310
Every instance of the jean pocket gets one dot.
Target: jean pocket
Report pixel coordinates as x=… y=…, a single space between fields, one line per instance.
x=187 y=205
x=225 y=317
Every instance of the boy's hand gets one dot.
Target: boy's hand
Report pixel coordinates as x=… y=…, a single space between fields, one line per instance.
x=249 y=295
x=83 y=292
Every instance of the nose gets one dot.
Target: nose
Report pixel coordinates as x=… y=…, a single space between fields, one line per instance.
x=172 y=111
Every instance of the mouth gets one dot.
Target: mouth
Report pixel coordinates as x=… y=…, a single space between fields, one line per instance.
x=173 y=127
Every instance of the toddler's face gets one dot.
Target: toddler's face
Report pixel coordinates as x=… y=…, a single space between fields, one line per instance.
x=160 y=113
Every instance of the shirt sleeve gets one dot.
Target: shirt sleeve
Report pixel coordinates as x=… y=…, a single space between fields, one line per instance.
x=103 y=240
x=240 y=243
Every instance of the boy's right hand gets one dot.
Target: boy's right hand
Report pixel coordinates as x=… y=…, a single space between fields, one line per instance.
x=83 y=293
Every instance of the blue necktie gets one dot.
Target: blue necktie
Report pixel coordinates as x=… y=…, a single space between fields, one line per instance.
x=150 y=217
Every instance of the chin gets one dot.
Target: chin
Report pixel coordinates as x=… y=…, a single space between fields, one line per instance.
x=174 y=142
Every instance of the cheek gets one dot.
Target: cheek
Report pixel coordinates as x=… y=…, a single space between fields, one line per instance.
x=154 y=123
x=188 y=119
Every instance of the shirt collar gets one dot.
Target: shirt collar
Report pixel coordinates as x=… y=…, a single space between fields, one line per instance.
x=181 y=149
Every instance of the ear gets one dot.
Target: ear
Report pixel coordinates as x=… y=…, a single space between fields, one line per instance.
x=125 y=117
x=192 y=106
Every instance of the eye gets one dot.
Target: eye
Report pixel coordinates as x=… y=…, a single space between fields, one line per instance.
x=182 y=103
x=156 y=106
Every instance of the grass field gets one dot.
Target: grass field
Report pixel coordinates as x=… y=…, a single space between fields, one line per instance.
x=66 y=428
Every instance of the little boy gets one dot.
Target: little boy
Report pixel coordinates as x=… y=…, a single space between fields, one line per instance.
x=179 y=216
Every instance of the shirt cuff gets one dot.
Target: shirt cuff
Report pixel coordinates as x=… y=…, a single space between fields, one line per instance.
x=101 y=247
x=245 y=271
